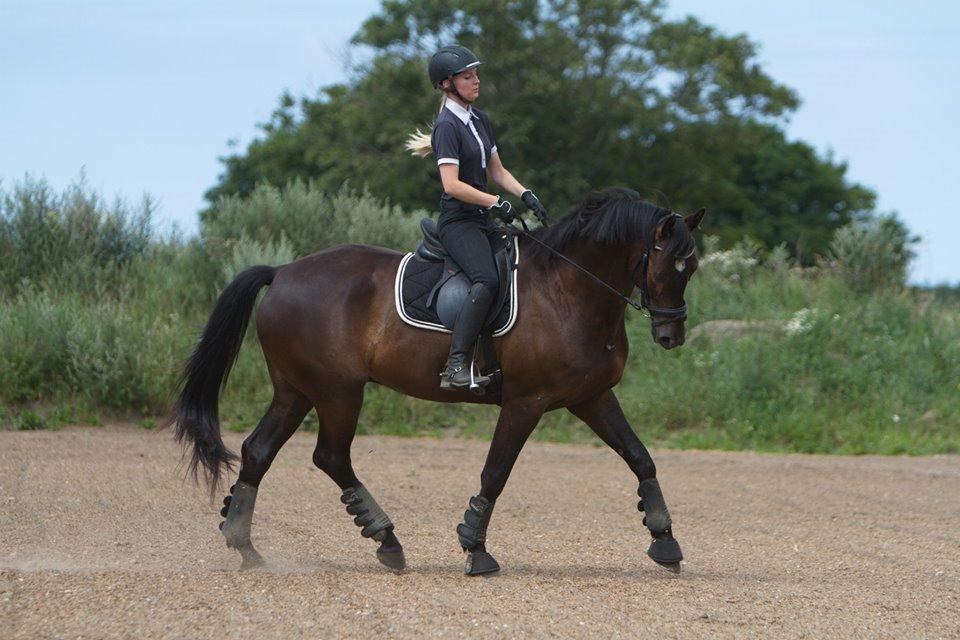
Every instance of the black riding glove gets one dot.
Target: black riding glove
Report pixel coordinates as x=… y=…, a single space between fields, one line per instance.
x=533 y=203
x=503 y=210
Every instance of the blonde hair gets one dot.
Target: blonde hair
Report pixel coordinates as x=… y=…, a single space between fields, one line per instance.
x=418 y=142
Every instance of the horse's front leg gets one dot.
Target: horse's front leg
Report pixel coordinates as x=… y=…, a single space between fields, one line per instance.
x=517 y=420
x=604 y=415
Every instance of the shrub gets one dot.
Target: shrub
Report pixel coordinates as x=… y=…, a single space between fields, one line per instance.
x=310 y=219
x=73 y=239
x=874 y=253
x=247 y=252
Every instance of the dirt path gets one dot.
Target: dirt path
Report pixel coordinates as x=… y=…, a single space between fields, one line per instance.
x=99 y=538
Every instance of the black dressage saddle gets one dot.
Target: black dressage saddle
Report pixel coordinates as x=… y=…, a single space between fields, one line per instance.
x=430 y=289
x=431 y=286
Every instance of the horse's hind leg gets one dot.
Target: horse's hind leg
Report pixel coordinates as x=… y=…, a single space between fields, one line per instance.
x=285 y=414
x=338 y=412
x=604 y=415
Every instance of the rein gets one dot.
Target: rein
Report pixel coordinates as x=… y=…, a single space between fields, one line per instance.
x=671 y=314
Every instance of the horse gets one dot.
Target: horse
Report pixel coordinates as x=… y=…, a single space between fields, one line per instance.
x=327 y=326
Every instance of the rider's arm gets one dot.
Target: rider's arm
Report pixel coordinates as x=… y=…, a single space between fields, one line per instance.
x=500 y=175
x=453 y=186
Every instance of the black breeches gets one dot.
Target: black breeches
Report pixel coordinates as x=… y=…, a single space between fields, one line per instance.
x=471 y=243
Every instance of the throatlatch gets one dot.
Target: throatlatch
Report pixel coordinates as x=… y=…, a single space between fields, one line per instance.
x=368 y=515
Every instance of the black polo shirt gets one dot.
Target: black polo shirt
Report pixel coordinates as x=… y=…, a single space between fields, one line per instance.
x=465 y=138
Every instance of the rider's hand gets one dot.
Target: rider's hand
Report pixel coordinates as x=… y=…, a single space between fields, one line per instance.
x=503 y=210
x=533 y=203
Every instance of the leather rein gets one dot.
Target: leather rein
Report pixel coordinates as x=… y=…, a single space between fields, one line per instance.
x=669 y=314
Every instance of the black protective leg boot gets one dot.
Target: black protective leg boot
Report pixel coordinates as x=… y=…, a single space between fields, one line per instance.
x=456 y=374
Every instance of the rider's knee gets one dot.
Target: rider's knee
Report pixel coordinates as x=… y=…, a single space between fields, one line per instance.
x=484 y=288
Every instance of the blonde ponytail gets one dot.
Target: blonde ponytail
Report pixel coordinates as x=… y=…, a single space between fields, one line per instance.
x=418 y=142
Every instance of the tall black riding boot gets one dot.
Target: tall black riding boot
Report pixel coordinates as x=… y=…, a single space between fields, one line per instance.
x=466 y=328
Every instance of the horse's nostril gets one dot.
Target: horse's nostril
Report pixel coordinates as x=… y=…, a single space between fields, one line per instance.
x=664 y=341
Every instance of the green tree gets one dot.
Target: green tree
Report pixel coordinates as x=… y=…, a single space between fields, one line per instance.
x=582 y=94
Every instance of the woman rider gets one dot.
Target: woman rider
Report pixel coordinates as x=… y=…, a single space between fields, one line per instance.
x=463 y=142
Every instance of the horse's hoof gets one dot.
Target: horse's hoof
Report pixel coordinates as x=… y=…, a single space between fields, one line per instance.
x=672 y=567
x=480 y=563
x=251 y=558
x=666 y=553
x=393 y=560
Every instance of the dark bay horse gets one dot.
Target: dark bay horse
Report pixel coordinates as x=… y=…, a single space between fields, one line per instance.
x=328 y=326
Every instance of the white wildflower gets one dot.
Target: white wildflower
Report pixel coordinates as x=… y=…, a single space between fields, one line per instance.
x=801 y=322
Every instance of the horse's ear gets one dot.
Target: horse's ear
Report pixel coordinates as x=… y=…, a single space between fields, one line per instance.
x=693 y=221
x=664 y=228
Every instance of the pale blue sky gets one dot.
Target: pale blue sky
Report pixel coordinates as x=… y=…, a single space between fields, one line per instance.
x=146 y=96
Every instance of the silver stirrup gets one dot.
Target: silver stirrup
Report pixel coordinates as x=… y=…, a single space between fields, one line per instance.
x=475 y=388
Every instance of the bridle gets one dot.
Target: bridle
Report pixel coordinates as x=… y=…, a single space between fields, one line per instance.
x=668 y=314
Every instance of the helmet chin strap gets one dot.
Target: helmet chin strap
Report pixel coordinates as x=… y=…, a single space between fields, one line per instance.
x=453 y=90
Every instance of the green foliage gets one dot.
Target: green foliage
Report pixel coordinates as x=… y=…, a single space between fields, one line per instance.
x=824 y=369
x=247 y=252
x=582 y=94
x=299 y=218
x=113 y=332
x=71 y=239
x=874 y=253
x=814 y=364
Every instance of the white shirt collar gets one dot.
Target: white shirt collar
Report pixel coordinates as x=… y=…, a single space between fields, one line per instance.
x=460 y=112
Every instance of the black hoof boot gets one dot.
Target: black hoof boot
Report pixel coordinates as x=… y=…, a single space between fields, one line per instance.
x=238 y=511
x=480 y=563
x=392 y=559
x=665 y=551
x=472 y=533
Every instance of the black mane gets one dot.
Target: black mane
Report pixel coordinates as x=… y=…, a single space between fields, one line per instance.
x=614 y=216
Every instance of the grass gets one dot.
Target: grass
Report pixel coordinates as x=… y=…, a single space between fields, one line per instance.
x=836 y=369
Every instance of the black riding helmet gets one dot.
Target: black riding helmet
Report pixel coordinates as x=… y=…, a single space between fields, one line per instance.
x=449 y=61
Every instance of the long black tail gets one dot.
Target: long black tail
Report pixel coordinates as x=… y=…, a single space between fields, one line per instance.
x=196 y=413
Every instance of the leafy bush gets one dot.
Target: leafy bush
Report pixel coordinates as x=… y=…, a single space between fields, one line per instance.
x=72 y=239
x=874 y=253
x=247 y=252
x=310 y=219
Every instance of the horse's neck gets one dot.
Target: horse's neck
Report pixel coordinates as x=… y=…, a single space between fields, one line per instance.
x=609 y=264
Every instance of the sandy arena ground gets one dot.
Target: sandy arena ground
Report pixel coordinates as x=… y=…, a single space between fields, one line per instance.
x=100 y=538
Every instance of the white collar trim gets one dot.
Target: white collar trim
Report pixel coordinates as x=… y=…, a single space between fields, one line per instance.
x=460 y=112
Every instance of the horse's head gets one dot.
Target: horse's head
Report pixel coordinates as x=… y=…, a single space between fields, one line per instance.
x=662 y=275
